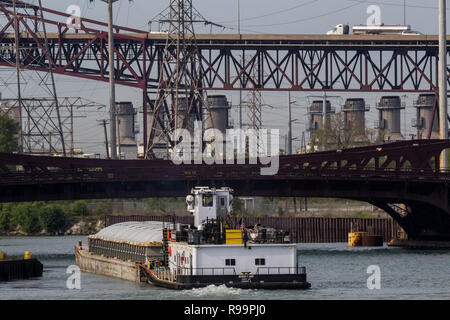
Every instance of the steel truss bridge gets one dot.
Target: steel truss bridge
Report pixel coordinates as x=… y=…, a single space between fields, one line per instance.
x=399 y=178
x=359 y=63
x=350 y=63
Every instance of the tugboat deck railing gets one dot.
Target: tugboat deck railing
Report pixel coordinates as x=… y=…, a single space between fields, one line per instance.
x=218 y=271
x=222 y=271
x=280 y=270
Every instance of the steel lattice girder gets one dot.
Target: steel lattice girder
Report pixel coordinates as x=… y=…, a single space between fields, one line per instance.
x=282 y=62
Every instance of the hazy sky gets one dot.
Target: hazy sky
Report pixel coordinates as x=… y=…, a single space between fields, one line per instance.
x=257 y=16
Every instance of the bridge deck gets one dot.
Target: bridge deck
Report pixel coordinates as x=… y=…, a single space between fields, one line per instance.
x=262 y=39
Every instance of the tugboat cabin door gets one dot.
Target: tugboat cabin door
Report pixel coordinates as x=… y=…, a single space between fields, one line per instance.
x=222 y=208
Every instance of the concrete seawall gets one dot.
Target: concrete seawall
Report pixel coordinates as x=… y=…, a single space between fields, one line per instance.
x=92 y=263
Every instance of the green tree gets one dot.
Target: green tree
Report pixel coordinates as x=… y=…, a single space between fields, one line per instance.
x=337 y=133
x=280 y=211
x=52 y=218
x=103 y=208
x=25 y=216
x=157 y=205
x=238 y=205
x=80 y=208
x=5 y=218
x=8 y=134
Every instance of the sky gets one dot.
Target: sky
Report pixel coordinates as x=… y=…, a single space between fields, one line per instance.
x=257 y=16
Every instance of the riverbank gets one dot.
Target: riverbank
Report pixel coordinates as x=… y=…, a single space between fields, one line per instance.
x=80 y=228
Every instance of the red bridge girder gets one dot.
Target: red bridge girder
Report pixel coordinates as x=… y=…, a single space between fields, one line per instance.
x=282 y=62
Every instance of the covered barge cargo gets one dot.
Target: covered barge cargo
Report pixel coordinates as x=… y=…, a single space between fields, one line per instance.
x=117 y=250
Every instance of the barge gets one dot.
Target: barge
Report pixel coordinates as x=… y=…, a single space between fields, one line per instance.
x=19 y=269
x=216 y=250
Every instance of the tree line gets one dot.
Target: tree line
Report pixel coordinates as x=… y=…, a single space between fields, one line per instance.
x=50 y=218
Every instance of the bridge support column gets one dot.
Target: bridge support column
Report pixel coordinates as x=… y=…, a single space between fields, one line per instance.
x=443 y=124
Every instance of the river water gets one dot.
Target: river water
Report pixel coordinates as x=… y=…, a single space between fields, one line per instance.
x=334 y=270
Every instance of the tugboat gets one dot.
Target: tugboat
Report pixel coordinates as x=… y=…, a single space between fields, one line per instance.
x=218 y=250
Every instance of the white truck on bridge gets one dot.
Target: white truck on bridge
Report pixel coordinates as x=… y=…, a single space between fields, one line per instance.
x=342 y=29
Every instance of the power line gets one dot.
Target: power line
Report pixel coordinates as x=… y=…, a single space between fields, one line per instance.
x=306 y=19
x=274 y=13
x=395 y=4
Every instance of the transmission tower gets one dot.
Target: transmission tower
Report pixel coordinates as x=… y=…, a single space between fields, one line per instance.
x=33 y=14
x=178 y=102
x=254 y=107
x=41 y=131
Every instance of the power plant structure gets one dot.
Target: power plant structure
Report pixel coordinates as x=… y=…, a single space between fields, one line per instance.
x=164 y=125
x=424 y=117
x=354 y=111
x=126 y=118
x=316 y=115
x=389 y=123
x=218 y=117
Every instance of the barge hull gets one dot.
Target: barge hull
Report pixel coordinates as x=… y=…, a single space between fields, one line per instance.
x=290 y=282
x=97 y=264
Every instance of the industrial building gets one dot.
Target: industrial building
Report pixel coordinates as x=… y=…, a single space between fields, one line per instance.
x=389 y=119
x=217 y=117
x=424 y=117
x=316 y=115
x=354 y=111
x=126 y=118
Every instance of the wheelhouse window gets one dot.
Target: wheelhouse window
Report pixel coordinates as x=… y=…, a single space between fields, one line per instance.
x=207 y=200
x=260 y=262
x=230 y=262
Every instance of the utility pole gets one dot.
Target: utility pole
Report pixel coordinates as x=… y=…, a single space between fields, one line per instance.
x=404 y=12
x=112 y=89
x=240 y=91
x=443 y=124
x=104 y=123
x=324 y=110
x=239 y=17
x=289 y=149
x=19 y=93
